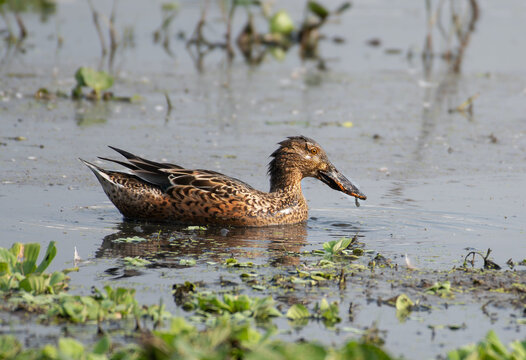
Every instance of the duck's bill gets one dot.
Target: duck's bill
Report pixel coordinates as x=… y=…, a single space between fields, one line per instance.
x=338 y=181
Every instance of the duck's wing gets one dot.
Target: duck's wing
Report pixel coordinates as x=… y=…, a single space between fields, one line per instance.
x=182 y=180
x=174 y=178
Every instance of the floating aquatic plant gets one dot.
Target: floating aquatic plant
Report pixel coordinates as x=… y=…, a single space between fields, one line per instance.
x=98 y=81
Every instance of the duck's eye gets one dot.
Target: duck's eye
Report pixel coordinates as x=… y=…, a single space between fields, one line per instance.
x=313 y=151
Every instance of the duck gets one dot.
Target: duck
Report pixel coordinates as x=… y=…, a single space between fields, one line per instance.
x=165 y=192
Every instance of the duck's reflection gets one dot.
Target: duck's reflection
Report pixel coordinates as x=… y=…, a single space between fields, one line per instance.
x=276 y=245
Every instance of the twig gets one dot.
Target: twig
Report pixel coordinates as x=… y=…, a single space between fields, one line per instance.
x=95 y=16
x=488 y=264
x=464 y=37
x=228 y=35
x=169 y=106
x=111 y=25
x=113 y=33
x=21 y=26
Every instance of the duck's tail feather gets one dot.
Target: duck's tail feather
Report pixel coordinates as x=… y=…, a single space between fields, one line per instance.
x=141 y=163
x=102 y=175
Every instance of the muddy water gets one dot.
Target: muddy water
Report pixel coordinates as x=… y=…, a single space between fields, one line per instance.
x=439 y=184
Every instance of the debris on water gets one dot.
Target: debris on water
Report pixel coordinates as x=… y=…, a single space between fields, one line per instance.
x=488 y=264
x=193 y=228
x=493 y=139
x=374 y=42
x=393 y=51
x=17 y=138
x=384 y=170
x=408 y=263
x=466 y=106
x=76 y=257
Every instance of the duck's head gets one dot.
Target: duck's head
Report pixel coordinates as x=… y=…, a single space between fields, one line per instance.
x=299 y=157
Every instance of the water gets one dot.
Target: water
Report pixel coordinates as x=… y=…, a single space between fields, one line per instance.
x=439 y=184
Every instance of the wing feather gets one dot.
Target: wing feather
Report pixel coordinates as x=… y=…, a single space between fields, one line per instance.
x=173 y=178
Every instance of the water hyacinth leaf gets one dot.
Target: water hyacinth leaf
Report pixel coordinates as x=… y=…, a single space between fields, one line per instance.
x=496 y=345
x=96 y=80
x=365 y=351
x=298 y=311
x=102 y=346
x=403 y=307
x=132 y=239
x=51 y=252
x=324 y=305
x=281 y=23
x=9 y=347
x=277 y=53
x=490 y=348
x=191 y=228
x=335 y=247
x=56 y=278
x=318 y=9
x=247 y=2
x=342 y=8
x=135 y=261
x=31 y=252
x=328 y=246
x=519 y=349
x=34 y=284
x=170 y=6
x=4 y=268
x=187 y=262
x=17 y=250
x=403 y=303
x=70 y=348
x=440 y=288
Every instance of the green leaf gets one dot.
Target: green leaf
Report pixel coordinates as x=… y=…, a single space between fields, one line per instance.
x=56 y=278
x=102 y=346
x=132 y=239
x=403 y=307
x=4 y=269
x=354 y=350
x=34 y=284
x=281 y=23
x=170 y=6
x=135 y=261
x=187 y=262
x=318 y=9
x=51 y=252
x=496 y=345
x=403 y=302
x=519 y=349
x=440 y=288
x=96 y=80
x=341 y=244
x=70 y=348
x=247 y=2
x=297 y=311
x=192 y=228
x=9 y=347
x=16 y=250
x=31 y=252
x=343 y=7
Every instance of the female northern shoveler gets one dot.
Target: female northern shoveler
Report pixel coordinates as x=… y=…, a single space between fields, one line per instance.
x=167 y=192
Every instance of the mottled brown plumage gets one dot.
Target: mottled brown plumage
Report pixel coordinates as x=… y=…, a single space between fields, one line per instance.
x=167 y=192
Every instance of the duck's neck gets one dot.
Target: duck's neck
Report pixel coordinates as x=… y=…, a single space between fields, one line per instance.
x=284 y=177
